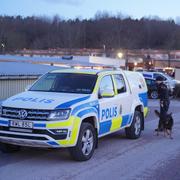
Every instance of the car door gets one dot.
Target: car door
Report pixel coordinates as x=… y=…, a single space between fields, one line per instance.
x=124 y=99
x=108 y=106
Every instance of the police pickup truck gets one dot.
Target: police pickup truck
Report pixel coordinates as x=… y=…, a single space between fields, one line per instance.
x=73 y=108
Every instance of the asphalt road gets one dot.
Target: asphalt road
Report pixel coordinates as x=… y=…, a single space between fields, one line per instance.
x=150 y=157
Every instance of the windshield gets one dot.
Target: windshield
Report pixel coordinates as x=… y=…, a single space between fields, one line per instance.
x=66 y=83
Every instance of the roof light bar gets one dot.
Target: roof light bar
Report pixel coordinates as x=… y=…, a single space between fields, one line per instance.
x=94 y=67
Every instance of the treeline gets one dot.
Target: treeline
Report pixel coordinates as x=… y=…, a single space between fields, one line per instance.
x=102 y=31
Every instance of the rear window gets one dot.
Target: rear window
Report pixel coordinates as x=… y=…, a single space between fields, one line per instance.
x=120 y=84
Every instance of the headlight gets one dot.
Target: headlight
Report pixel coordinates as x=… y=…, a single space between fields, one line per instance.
x=60 y=114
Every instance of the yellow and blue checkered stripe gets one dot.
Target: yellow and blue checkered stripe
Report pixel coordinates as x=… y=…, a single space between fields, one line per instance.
x=144 y=99
x=114 y=124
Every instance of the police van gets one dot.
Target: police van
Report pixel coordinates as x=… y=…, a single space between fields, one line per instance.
x=73 y=108
x=169 y=81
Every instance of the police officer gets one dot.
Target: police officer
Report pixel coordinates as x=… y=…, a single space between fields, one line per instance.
x=163 y=93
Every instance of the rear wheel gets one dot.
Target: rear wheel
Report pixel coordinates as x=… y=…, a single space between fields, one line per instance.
x=154 y=95
x=86 y=143
x=134 y=131
x=8 y=148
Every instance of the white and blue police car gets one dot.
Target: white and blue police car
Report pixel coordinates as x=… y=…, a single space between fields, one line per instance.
x=73 y=108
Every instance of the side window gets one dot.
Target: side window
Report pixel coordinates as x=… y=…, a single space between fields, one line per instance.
x=153 y=82
x=120 y=83
x=164 y=78
x=148 y=82
x=157 y=75
x=106 y=83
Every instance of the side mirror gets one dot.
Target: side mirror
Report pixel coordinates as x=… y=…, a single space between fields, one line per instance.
x=27 y=87
x=107 y=93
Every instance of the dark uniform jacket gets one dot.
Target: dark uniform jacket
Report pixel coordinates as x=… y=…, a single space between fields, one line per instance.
x=164 y=97
x=163 y=92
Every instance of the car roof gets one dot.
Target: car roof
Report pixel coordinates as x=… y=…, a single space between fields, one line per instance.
x=87 y=71
x=148 y=72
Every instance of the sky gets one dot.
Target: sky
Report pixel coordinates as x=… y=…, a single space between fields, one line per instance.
x=85 y=9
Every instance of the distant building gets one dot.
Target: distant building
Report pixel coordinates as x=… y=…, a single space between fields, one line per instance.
x=15 y=77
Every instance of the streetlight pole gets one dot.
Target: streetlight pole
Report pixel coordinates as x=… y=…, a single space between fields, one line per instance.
x=126 y=58
x=169 y=59
x=125 y=55
x=104 y=50
x=3 y=48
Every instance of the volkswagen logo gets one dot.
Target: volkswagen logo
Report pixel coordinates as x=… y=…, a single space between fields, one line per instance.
x=22 y=114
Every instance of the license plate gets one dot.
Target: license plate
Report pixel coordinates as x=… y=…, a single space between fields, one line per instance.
x=21 y=124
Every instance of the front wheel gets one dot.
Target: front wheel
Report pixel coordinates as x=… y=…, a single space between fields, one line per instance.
x=154 y=95
x=134 y=131
x=85 y=146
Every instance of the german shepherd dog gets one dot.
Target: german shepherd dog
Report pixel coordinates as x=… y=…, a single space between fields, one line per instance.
x=167 y=124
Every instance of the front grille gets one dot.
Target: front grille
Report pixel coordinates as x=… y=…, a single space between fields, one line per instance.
x=34 y=131
x=23 y=136
x=32 y=114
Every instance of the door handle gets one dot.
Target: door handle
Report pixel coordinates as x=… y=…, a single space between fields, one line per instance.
x=120 y=110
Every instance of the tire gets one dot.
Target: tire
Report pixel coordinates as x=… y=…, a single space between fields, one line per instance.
x=8 y=148
x=134 y=131
x=86 y=143
x=154 y=95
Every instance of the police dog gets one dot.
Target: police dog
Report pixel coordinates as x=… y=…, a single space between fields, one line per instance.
x=167 y=124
